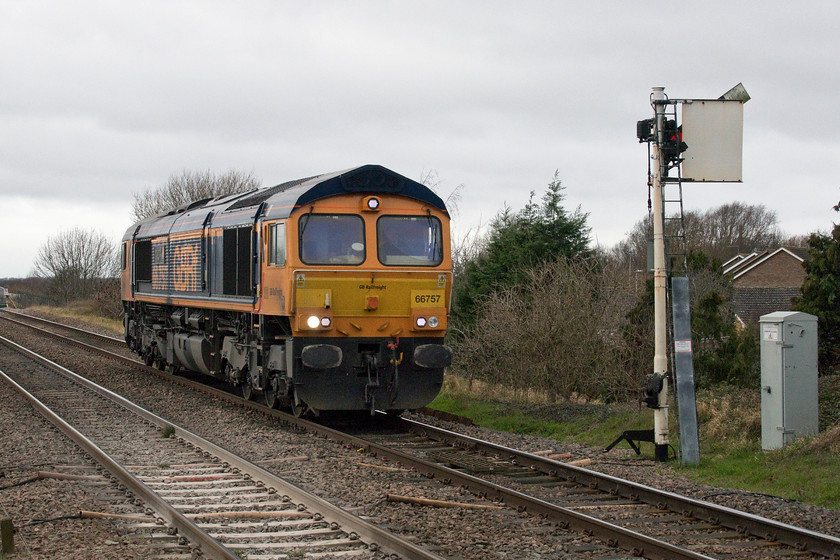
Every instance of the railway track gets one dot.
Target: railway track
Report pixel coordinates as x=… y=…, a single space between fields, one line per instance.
x=56 y=327
x=703 y=527
x=227 y=507
x=643 y=521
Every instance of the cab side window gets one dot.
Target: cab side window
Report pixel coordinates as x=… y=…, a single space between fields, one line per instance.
x=277 y=244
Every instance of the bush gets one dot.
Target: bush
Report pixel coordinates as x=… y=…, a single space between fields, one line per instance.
x=107 y=300
x=558 y=332
x=733 y=359
x=829 y=391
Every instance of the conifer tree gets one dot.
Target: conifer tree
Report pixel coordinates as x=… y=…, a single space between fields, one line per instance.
x=517 y=241
x=821 y=293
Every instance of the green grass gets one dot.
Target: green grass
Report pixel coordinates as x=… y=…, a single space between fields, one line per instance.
x=595 y=425
x=794 y=473
x=730 y=436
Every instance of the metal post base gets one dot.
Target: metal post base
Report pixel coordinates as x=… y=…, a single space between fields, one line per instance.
x=635 y=437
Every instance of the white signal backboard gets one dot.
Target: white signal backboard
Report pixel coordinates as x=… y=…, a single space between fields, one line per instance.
x=713 y=129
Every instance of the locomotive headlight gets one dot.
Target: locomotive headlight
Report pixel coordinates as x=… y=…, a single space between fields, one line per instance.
x=370 y=204
x=326 y=322
x=313 y=322
x=433 y=322
x=421 y=322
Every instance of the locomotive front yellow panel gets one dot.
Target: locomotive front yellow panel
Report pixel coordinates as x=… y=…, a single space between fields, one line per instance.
x=378 y=304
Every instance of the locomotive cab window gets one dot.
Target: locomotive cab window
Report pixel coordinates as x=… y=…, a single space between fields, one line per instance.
x=409 y=240
x=332 y=239
x=277 y=244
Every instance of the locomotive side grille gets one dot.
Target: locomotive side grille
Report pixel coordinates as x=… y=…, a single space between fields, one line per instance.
x=186 y=265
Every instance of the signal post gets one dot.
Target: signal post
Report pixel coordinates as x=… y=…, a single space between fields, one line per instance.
x=705 y=147
x=660 y=281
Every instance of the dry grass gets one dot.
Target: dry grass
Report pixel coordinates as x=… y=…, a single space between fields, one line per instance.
x=732 y=415
x=85 y=311
x=455 y=384
x=826 y=442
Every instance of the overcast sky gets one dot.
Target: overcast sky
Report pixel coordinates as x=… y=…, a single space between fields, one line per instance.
x=99 y=100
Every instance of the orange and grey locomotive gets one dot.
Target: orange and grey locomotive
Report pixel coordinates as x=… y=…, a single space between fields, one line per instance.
x=325 y=293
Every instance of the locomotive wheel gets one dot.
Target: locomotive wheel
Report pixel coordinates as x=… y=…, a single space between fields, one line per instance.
x=173 y=369
x=272 y=393
x=149 y=358
x=298 y=406
x=160 y=363
x=247 y=390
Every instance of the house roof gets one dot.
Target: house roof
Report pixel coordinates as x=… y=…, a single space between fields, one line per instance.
x=752 y=303
x=763 y=257
x=742 y=262
x=732 y=261
x=803 y=252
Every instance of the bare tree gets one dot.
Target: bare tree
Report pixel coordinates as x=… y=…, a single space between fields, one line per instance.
x=75 y=262
x=795 y=240
x=738 y=226
x=467 y=247
x=432 y=180
x=190 y=186
x=720 y=232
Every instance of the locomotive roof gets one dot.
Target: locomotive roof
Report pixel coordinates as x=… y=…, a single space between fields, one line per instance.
x=281 y=200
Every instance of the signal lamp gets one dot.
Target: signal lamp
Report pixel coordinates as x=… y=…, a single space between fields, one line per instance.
x=421 y=322
x=313 y=322
x=325 y=322
x=433 y=322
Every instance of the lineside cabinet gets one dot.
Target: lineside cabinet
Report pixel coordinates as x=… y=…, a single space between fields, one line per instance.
x=789 y=400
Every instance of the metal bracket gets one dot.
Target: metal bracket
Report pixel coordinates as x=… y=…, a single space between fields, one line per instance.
x=632 y=436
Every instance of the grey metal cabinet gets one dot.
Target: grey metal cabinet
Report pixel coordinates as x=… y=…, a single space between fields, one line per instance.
x=789 y=401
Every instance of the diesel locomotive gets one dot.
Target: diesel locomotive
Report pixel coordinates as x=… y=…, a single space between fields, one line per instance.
x=321 y=294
